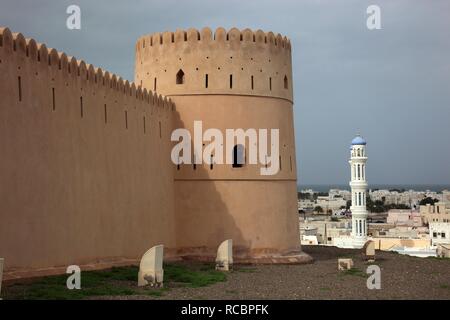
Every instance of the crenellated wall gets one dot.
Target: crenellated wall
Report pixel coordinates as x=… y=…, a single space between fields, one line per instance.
x=234 y=62
x=85 y=170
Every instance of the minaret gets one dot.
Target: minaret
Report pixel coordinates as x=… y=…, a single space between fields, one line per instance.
x=358 y=185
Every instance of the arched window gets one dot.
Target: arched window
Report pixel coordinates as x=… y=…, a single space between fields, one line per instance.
x=286 y=84
x=238 y=156
x=180 y=77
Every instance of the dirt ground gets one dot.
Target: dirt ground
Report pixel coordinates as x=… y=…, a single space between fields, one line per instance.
x=402 y=277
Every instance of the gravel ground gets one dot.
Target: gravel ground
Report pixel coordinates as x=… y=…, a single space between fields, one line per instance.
x=402 y=277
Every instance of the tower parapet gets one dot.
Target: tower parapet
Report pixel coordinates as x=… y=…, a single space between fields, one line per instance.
x=237 y=62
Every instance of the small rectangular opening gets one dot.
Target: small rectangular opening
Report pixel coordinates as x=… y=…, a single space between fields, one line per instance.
x=126 y=119
x=252 y=83
x=145 y=129
x=20 y=88
x=206 y=81
x=231 y=81
x=290 y=161
x=154 y=85
x=53 y=99
x=160 y=135
x=280 y=162
x=81 y=107
x=106 y=114
x=270 y=84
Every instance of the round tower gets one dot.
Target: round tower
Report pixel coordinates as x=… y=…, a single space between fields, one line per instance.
x=358 y=184
x=229 y=80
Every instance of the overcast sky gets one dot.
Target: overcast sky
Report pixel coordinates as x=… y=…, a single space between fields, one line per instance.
x=391 y=85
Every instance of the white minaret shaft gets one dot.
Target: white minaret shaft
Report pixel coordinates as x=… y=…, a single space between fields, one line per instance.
x=358 y=184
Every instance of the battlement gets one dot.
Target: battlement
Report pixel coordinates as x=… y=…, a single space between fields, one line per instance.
x=17 y=44
x=197 y=62
x=205 y=34
x=85 y=161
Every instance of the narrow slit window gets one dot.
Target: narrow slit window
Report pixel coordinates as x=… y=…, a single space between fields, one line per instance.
x=206 y=81
x=286 y=84
x=126 y=119
x=145 y=129
x=231 y=81
x=81 y=107
x=19 y=80
x=253 y=84
x=211 y=166
x=280 y=162
x=180 y=77
x=53 y=99
x=154 y=85
x=106 y=114
x=270 y=84
x=160 y=134
x=290 y=162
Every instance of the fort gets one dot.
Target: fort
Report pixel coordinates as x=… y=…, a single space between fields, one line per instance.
x=86 y=175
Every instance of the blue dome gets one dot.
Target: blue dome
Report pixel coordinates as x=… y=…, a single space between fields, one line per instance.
x=358 y=141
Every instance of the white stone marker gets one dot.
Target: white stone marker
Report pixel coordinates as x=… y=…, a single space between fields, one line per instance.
x=224 y=260
x=369 y=251
x=2 y=261
x=345 y=264
x=151 y=267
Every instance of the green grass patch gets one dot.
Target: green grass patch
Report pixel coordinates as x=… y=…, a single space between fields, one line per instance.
x=120 y=281
x=195 y=276
x=354 y=272
x=444 y=286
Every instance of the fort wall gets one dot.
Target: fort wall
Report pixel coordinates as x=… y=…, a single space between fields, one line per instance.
x=86 y=176
x=85 y=170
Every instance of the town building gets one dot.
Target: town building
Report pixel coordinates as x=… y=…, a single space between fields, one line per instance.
x=440 y=233
x=404 y=217
x=439 y=212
